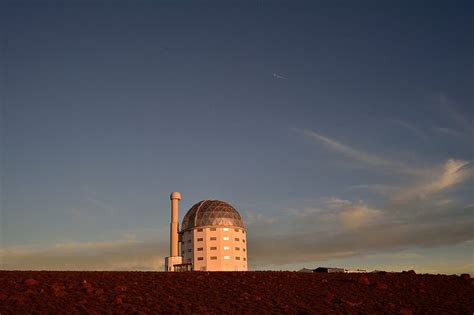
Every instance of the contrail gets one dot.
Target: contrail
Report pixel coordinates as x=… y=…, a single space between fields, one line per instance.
x=279 y=77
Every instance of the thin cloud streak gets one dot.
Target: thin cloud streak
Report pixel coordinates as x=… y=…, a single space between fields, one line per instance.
x=452 y=173
x=93 y=256
x=415 y=130
x=280 y=77
x=458 y=118
x=307 y=246
x=361 y=156
x=449 y=131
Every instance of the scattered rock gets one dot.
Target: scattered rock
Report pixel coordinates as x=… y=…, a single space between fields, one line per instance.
x=31 y=282
x=330 y=296
x=381 y=285
x=119 y=299
x=406 y=311
x=99 y=292
x=18 y=299
x=410 y=272
x=58 y=289
x=121 y=288
x=466 y=277
x=351 y=301
x=3 y=297
x=364 y=280
x=87 y=286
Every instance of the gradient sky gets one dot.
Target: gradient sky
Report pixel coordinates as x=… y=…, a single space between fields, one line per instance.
x=341 y=130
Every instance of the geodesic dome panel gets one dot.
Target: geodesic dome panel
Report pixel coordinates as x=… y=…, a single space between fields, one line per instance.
x=211 y=213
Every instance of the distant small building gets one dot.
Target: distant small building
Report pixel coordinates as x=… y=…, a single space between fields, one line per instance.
x=329 y=270
x=333 y=270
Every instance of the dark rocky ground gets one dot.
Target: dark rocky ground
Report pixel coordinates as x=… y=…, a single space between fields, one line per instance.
x=45 y=292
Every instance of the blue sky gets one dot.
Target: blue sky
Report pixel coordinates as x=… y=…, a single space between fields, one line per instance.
x=342 y=132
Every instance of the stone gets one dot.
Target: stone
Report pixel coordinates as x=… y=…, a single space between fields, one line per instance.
x=58 y=289
x=406 y=311
x=352 y=301
x=381 y=285
x=466 y=277
x=330 y=296
x=31 y=282
x=121 y=288
x=119 y=299
x=364 y=280
x=18 y=299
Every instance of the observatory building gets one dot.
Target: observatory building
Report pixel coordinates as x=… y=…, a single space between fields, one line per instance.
x=212 y=236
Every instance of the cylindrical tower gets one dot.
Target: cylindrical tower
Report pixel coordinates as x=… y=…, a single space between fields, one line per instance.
x=175 y=198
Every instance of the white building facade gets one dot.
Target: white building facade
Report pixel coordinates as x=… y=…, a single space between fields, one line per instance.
x=213 y=237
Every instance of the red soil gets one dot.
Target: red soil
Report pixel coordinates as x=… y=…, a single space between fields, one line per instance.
x=23 y=292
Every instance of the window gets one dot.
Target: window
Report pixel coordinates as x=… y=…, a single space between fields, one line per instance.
x=213 y=248
x=199 y=249
x=213 y=257
x=200 y=258
x=245 y=259
x=226 y=238
x=237 y=239
x=236 y=230
x=213 y=238
x=243 y=232
x=199 y=230
x=237 y=258
x=189 y=241
x=212 y=229
x=226 y=247
x=200 y=239
x=243 y=249
x=237 y=248
x=189 y=250
x=225 y=229
x=243 y=240
x=226 y=257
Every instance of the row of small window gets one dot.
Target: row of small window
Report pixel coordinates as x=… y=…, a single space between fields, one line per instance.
x=223 y=229
x=200 y=249
x=225 y=258
x=225 y=238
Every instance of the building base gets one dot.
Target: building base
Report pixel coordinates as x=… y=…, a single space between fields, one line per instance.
x=171 y=261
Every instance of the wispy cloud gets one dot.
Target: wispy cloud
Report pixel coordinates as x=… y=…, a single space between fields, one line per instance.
x=305 y=244
x=123 y=254
x=452 y=173
x=360 y=156
x=380 y=189
x=411 y=127
x=449 y=131
x=456 y=117
x=359 y=215
x=279 y=76
x=363 y=157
